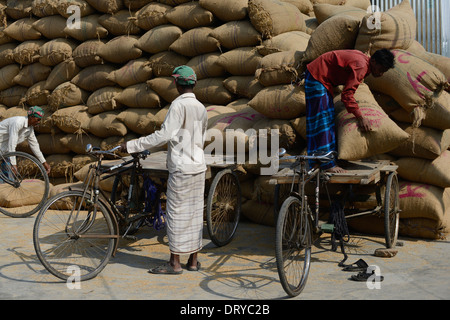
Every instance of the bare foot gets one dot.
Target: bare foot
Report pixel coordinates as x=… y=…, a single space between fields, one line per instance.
x=336 y=169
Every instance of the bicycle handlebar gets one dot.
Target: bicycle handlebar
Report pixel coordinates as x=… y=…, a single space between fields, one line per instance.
x=329 y=156
x=96 y=150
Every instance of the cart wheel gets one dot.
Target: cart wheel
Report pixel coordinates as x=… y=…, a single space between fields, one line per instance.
x=391 y=210
x=223 y=207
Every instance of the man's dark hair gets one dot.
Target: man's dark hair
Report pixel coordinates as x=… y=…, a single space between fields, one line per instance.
x=385 y=58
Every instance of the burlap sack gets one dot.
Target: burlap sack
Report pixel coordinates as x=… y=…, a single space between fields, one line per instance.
x=85 y=8
x=424 y=228
x=27 y=52
x=240 y=61
x=77 y=142
x=211 y=90
x=278 y=68
x=7 y=53
x=207 y=66
x=120 y=23
x=73 y=119
x=159 y=38
x=63 y=72
x=36 y=95
x=61 y=165
x=287 y=137
x=43 y=8
x=55 y=51
x=164 y=87
x=94 y=77
x=288 y=41
x=442 y=63
x=163 y=63
x=235 y=34
x=67 y=94
x=51 y=27
x=396 y=31
x=134 y=72
x=434 y=172
x=423 y=142
x=114 y=141
x=243 y=86
x=323 y=11
x=305 y=6
x=299 y=125
x=231 y=10
x=272 y=17
x=419 y=200
x=106 y=6
x=14 y=111
x=86 y=54
x=29 y=193
x=31 y=74
x=336 y=33
x=105 y=185
x=352 y=143
x=413 y=83
x=139 y=96
x=104 y=99
x=216 y=110
x=120 y=49
x=151 y=15
x=90 y=29
x=238 y=104
x=53 y=143
x=12 y=96
x=143 y=121
x=195 y=42
x=280 y=102
x=190 y=15
x=22 y=30
x=259 y=212
x=136 y=4
x=8 y=74
x=106 y=124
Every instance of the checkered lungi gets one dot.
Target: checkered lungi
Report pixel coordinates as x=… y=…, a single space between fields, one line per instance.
x=320 y=126
x=184 y=212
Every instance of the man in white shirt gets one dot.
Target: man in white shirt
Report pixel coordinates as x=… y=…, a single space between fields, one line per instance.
x=17 y=129
x=184 y=130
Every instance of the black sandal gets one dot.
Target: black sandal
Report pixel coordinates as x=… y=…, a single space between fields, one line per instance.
x=359 y=265
x=365 y=276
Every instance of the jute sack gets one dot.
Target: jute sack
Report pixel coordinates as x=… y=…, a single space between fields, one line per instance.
x=139 y=96
x=151 y=15
x=53 y=143
x=31 y=74
x=323 y=11
x=211 y=90
x=305 y=6
x=36 y=95
x=397 y=29
x=230 y=10
x=336 y=33
x=419 y=200
x=27 y=52
x=77 y=142
x=195 y=42
x=73 y=119
x=243 y=86
x=352 y=144
x=207 y=66
x=240 y=61
x=94 y=77
x=67 y=94
x=278 y=68
x=442 y=63
x=413 y=83
x=85 y=54
x=29 y=193
x=106 y=124
x=190 y=15
x=119 y=23
x=311 y=24
x=106 y=6
x=425 y=228
x=272 y=17
x=90 y=29
x=287 y=137
x=288 y=41
x=63 y=72
x=51 y=27
x=22 y=30
x=12 y=96
x=143 y=121
x=14 y=111
x=7 y=75
x=423 y=142
x=120 y=49
x=105 y=185
x=163 y=63
x=434 y=172
x=4 y=38
x=61 y=165
x=7 y=53
x=299 y=125
x=280 y=101
x=235 y=34
x=215 y=110
x=136 y=4
x=159 y=38
x=43 y=8
x=259 y=212
x=134 y=72
x=55 y=51
x=114 y=141
x=238 y=104
x=85 y=8
x=164 y=87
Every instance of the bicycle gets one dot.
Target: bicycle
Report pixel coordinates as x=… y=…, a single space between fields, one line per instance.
x=81 y=228
x=24 y=187
x=298 y=226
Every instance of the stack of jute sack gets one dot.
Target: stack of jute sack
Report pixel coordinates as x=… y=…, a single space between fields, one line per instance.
x=108 y=80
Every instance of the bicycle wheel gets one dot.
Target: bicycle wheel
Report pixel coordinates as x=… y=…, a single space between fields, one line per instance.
x=223 y=207
x=129 y=202
x=71 y=233
x=293 y=245
x=22 y=192
x=391 y=210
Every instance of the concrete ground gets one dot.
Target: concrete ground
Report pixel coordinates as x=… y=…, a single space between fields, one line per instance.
x=243 y=270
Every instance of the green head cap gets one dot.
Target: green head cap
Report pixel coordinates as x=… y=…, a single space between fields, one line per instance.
x=184 y=75
x=36 y=112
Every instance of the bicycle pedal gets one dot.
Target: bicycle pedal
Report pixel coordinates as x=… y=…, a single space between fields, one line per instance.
x=131 y=238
